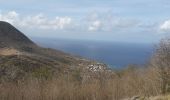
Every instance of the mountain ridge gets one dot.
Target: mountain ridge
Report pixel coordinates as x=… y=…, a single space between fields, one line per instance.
x=10 y=36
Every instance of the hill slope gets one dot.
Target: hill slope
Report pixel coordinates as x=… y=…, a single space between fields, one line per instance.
x=20 y=57
x=10 y=36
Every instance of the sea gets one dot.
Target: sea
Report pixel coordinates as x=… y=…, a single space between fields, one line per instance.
x=114 y=54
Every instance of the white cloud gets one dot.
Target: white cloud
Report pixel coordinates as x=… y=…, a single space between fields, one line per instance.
x=165 y=26
x=37 y=21
x=10 y=17
x=108 y=22
x=95 y=25
x=93 y=22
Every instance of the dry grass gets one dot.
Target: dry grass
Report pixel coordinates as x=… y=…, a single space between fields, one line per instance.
x=163 y=97
x=126 y=83
x=7 y=52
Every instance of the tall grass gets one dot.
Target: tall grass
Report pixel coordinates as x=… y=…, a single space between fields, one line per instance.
x=118 y=85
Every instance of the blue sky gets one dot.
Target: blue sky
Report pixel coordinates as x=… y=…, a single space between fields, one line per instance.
x=143 y=21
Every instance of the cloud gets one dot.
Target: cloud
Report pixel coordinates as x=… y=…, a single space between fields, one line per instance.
x=95 y=25
x=93 y=22
x=37 y=21
x=124 y=23
x=108 y=22
x=165 y=26
x=11 y=17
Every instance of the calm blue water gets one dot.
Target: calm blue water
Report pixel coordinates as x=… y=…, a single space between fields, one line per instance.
x=113 y=54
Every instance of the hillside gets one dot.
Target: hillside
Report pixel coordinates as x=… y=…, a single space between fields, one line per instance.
x=11 y=37
x=20 y=57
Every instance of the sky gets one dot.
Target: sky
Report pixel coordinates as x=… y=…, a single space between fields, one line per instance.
x=137 y=21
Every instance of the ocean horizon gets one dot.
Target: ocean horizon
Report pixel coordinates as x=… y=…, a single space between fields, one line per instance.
x=114 y=54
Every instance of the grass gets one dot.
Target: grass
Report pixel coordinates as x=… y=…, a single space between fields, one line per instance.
x=75 y=86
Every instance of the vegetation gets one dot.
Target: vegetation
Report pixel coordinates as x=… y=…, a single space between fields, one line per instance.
x=127 y=83
x=144 y=83
x=66 y=87
x=44 y=74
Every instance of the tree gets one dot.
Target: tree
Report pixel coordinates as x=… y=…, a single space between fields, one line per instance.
x=161 y=64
